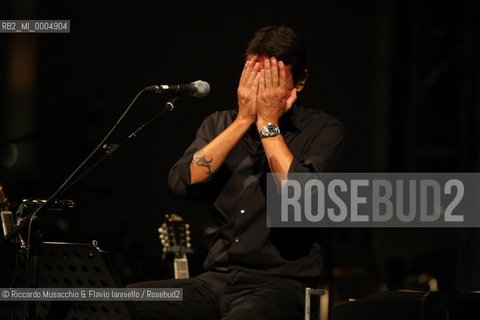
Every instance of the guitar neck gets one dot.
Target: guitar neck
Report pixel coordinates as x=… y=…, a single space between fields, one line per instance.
x=180 y=266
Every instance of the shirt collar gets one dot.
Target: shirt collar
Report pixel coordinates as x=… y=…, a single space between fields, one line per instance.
x=293 y=118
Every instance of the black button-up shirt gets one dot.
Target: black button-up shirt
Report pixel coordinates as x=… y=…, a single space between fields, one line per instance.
x=236 y=228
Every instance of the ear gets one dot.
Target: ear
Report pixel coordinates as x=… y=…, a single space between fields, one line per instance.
x=301 y=83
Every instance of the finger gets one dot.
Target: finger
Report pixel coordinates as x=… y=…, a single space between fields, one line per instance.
x=275 y=80
x=268 y=73
x=244 y=72
x=256 y=82
x=282 y=74
x=261 y=84
x=291 y=99
x=252 y=75
x=247 y=69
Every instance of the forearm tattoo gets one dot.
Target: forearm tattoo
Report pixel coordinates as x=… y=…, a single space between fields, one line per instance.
x=200 y=160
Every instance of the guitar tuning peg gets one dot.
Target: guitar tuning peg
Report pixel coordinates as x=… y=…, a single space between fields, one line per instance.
x=187 y=232
x=189 y=245
x=188 y=239
x=187 y=226
x=160 y=230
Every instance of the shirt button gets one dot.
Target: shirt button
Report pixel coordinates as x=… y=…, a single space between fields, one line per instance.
x=236 y=240
x=242 y=211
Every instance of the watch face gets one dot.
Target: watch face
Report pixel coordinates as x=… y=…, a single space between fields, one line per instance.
x=270 y=130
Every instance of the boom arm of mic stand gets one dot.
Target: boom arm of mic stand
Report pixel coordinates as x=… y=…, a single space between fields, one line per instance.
x=108 y=151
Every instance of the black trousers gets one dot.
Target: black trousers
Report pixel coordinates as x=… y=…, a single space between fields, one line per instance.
x=228 y=296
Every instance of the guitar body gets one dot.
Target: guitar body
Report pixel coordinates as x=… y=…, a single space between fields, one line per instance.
x=6 y=214
x=7 y=217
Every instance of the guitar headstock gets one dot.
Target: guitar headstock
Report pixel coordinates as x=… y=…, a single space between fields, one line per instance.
x=175 y=236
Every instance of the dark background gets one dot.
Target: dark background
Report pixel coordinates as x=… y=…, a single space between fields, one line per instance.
x=402 y=75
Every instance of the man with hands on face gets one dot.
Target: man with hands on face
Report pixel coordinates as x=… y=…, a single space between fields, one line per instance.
x=265 y=93
x=251 y=271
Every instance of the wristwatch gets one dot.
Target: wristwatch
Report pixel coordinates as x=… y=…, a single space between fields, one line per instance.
x=270 y=130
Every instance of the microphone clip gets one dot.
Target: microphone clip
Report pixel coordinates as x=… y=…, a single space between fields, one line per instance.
x=170 y=105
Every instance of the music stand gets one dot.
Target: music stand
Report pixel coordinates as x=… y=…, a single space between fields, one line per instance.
x=62 y=265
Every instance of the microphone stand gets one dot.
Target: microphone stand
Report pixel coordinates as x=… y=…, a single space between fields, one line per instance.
x=108 y=149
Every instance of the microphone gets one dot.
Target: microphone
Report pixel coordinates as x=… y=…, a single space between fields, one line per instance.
x=197 y=88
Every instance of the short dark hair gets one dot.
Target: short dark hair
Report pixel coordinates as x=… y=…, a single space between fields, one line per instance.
x=282 y=43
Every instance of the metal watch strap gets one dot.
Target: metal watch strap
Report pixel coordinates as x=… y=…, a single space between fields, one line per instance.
x=270 y=130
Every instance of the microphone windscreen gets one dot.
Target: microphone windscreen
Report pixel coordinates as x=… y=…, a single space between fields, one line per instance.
x=203 y=88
